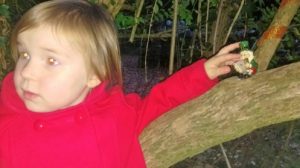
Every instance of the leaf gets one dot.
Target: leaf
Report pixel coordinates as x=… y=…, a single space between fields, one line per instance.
x=123 y=22
x=260 y=2
x=112 y=2
x=4 y=11
x=296 y=31
x=160 y=17
x=93 y=1
x=214 y=3
x=165 y=13
x=159 y=2
x=3 y=41
x=192 y=2
x=156 y=8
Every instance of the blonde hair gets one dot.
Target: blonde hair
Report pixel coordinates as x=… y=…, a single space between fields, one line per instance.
x=88 y=26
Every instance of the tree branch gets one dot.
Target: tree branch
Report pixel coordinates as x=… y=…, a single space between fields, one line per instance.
x=173 y=39
x=271 y=38
x=160 y=35
x=232 y=109
x=136 y=17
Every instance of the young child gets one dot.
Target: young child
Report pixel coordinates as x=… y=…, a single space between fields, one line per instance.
x=63 y=106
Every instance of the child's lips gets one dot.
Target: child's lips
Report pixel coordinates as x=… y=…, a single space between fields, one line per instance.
x=29 y=95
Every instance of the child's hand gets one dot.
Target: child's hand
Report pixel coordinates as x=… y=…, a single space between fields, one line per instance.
x=219 y=64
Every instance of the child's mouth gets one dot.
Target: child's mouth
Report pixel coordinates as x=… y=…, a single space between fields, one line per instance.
x=29 y=95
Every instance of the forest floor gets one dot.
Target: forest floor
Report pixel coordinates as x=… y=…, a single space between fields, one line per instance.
x=276 y=146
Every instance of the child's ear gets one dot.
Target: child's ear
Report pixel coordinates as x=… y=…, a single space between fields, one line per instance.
x=93 y=81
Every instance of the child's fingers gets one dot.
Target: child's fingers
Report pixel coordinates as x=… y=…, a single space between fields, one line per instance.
x=231 y=62
x=229 y=48
x=225 y=59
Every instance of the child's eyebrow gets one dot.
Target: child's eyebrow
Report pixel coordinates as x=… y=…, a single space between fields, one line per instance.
x=53 y=51
x=49 y=50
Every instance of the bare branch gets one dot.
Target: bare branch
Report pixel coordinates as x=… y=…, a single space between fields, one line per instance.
x=233 y=108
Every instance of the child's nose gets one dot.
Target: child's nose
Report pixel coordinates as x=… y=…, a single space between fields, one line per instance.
x=29 y=71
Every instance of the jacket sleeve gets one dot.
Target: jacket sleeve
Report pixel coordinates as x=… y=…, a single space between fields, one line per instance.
x=184 y=85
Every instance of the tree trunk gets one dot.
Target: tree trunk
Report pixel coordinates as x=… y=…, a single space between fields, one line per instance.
x=269 y=41
x=232 y=109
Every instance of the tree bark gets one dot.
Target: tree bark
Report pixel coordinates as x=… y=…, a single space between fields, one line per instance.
x=233 y=108
x=271 y=38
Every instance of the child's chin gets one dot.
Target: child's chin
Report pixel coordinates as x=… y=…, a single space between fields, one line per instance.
x=37 y=109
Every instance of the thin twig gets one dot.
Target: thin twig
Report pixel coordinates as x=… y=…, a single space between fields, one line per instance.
x=200 y=32
x=285 y=146
x=217 y=26
x=181 y=50
x=206 y=21
x=246 y=21
x=198 y=27
x=148 y=39
x=174 y=28
x=159 y=35
x=234 y=21
x=136 y=17
x=225 y=156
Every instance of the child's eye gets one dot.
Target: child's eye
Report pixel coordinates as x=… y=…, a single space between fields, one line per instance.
x=24 y=55
x=52 y=61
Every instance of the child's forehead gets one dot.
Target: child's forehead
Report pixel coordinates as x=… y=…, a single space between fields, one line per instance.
x=45 y=37
x=44 y=32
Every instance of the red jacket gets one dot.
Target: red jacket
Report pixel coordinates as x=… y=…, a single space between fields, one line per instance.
x=101 y=132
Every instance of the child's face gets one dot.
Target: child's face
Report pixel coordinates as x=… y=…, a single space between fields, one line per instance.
x=50 y=73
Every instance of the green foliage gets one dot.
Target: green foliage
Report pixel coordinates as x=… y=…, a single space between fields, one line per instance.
x=4 y=11
x=3 y=41
x=156 y=7
x=125 y=21
x=93 y=1
x=214 y=3
x=113 y=2
x=18 y=7
x=256 y=15
x=163 y=10
x=161 y=13
x=185 y=13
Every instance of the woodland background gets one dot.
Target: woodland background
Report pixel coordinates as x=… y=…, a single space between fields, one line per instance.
x=241 y=123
